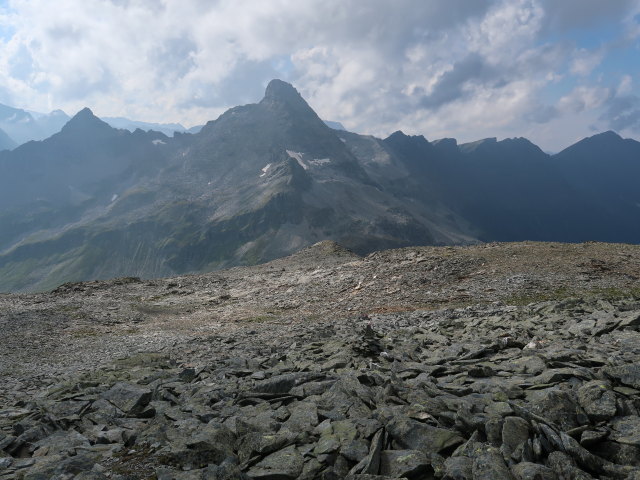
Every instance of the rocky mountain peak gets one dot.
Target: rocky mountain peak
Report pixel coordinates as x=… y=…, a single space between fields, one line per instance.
x=59 y=113
x=283 y=93
x=85 y=121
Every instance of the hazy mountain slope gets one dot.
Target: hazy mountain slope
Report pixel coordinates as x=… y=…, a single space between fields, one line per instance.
x=6 y=142
x=266 y=179
x=50 y=123
x=510 y=190
x=51 y=191
x=605 y=167
x=19 y=124
x=132 y=125
x=23 y=126
x=259 y=182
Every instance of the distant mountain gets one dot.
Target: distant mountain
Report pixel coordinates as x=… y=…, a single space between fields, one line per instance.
x=132 y=125
x=259 y=182
x=195 y=129
x=23 y=126
x=334 y=125
x=50 y=123
x=266 y=179
x=6 y=142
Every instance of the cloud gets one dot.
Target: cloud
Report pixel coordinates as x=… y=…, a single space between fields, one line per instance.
x=585 y=61
x=584 y=98
x=456 y=68
x=623 y=113
x=583 y=14
x=452 y=84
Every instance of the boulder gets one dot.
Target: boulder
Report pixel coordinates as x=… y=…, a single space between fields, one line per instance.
x=129 y=398
x=597 y=400
x=284 y=464
x=412 y=464
x=413 y=435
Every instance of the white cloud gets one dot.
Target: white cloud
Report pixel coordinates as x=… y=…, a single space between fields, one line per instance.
x=584 y=98
x=626 y=86
x=585 y=61
x=454 y=68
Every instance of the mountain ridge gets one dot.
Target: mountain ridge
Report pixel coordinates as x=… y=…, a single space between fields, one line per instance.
x=266 y=179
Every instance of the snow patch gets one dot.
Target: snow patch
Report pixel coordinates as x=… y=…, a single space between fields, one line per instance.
x=320 y=161
x=157 y=141
x=298 y=157
x=114 y=197
x=343 y=140
x=265 y=169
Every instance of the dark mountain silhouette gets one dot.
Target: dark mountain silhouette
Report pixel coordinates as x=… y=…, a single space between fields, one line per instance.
x=266 y=179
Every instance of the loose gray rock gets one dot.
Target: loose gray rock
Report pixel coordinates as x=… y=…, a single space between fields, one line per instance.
x=284 y=464
x=129 y=398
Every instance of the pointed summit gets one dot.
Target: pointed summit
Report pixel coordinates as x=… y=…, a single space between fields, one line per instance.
x=608 y=137
x=279 y=93
x=279 y=90
x=85 y=121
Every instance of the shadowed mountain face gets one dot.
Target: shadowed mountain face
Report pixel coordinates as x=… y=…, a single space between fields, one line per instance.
x=266 y=179
x=259 y=182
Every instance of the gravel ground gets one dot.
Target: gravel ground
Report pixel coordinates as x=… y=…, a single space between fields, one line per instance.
x=79 y=327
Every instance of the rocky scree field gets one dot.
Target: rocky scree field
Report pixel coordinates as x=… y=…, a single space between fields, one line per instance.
x=496 y=361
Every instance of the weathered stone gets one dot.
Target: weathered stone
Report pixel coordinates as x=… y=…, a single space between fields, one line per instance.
x=129 y=398
x=63 y=443
x=533 y=471
x=211 y=443
x=356 y=450
x=412 y=464
x=515 y=431
x=589 y=437
x=564 y=467
x=282 y=465
x=489 y=465
x=58 y=466
x=284 y=383
x=598 y=400
x=620 y=453
x=557 y=406
x=626 y=430
x=229 y=469
x=371 y=463
x=458 y=468
x=628 y=375
x=303 y=416
x=363 y=416
x=371 y=477
x=493 y=430
x=413 y=435
x=263 y=444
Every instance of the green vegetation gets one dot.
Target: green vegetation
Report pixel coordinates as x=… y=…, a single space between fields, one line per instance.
x=561 y=293
x=84 y=332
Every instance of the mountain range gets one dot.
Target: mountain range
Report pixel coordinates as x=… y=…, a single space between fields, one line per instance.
x=266 y=179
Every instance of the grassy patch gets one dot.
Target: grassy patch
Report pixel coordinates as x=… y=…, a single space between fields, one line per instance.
x=611 y=293
x=523 y=299
x=257 y=319
x=85 y=332
x=615 y=293
x=150 y=309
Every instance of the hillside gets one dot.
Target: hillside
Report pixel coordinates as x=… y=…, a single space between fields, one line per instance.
x=501 y=361
x=266 y=179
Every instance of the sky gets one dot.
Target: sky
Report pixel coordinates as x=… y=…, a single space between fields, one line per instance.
x=553 y=71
